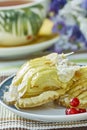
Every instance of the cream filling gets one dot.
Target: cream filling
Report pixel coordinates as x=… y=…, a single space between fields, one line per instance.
x=66 y=69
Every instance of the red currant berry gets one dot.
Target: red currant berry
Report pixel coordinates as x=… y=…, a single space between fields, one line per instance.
x=70 y=111
x=81 y=110
x=74 y=102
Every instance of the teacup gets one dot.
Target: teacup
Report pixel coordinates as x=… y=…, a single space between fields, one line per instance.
x=21 y=20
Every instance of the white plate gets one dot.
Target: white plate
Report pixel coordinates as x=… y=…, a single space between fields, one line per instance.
x=47 y=113
x=20 y=51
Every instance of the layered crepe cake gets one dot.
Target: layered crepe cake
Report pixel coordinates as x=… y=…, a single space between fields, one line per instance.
x=46 y=79
x=78 y=89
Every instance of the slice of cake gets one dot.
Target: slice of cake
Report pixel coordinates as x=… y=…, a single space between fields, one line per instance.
x=41 y=80
x=78 y=89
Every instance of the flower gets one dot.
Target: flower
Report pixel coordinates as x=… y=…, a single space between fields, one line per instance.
x=84 y=4
x=59 y=27
x=83 y=26
x=70 y=21
x=76 y=33
x=56 y=5
x=74 y=14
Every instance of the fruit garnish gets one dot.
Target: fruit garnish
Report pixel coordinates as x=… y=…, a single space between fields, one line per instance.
x=70 y=111
x=74 y=102
x=80 y=110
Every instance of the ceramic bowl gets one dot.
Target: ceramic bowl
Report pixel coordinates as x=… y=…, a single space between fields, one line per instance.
x=21 y=20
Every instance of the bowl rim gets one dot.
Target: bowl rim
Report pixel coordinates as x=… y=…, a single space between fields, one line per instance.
x=21 y=5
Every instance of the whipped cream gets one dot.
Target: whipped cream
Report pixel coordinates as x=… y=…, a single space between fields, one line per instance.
x=66 y=69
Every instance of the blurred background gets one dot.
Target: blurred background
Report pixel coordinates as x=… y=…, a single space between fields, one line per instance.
x=66 y=19
x=70 y=22
x=62 y=28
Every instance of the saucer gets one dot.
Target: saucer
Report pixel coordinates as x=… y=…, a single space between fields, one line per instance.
x=39 y=44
